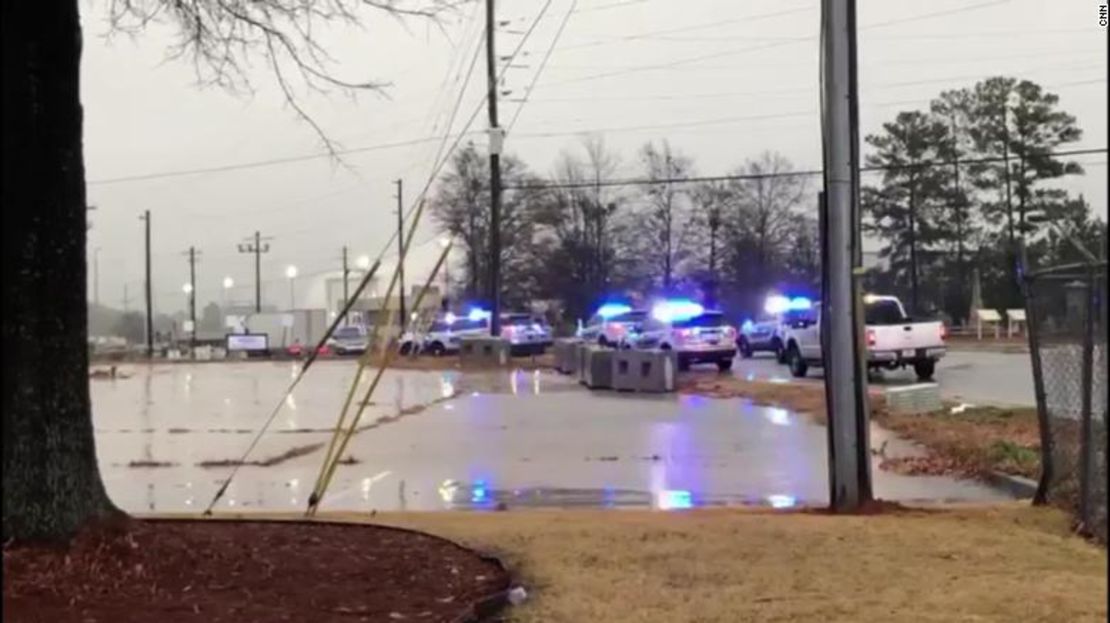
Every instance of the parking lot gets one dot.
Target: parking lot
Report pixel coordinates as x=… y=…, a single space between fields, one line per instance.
x=523 y=438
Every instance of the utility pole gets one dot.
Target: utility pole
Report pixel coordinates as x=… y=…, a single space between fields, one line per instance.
x=192 y=253
x=346 y=277
x=496 y=139
x=841 y=304
x=126 y=300
x=149 y=292
x=401 y=252
x=257 y=246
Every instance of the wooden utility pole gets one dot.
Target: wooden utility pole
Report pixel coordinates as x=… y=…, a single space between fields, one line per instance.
x=496 y=139
x=841 y=304
x=257 y=247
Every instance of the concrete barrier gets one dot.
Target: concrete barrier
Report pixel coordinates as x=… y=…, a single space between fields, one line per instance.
x=914 y=399
x=566 y=355
x=626 y=370
x=597 y=372
x=581 y=350
x=656 y=370
x=484 y=351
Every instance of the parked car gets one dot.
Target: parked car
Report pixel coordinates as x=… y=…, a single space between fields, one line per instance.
x=445 y=334
x=698 y=335
x=350 y=340
x=298 y=350
x=768 y=333
x=525 y=332
x=894 y=340
x=612 y=324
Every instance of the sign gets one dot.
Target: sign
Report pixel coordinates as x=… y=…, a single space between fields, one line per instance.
x=188 y=326
x=248 y=342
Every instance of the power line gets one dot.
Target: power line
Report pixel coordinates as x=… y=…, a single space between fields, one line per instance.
x=724 y=53
x=786 y=174
x=261 y=163
x=543 y=64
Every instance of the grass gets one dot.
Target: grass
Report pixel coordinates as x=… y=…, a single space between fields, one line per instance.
x=973 y=442
x=1011 y=562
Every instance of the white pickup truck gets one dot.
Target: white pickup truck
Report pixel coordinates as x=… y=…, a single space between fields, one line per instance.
x=893 y=339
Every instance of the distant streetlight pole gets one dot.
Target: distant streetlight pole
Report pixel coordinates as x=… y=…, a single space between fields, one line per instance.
x=229 y=283
x=401 y=251
x=190 y=291
x=96 y=276
x=291 y=273
x=149 y=291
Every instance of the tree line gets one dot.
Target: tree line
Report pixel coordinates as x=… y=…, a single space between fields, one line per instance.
x=950 y=194
x=957 y=186
x=574 y=240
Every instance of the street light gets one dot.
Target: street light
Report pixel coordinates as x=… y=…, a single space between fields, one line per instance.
x=228 y=283
x=187 y=288
x=291 y=273
x=363 y=262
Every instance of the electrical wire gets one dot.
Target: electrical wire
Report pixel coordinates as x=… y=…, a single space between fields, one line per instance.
x=786 y=174
x=543 y=64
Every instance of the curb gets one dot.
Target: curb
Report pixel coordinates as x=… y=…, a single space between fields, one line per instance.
x=1017 y=486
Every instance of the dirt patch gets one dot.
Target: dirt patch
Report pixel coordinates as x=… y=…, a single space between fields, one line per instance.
x=291 y=453
x=220 y=571
x=971 y=443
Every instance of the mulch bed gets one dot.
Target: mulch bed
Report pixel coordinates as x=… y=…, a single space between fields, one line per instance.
x=230 y=571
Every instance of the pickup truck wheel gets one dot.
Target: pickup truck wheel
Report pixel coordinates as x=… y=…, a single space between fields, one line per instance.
x=798 y=366
x=925 y=369
x=436 y=349
x=724 y=365
x=406 y=348
x=745 y=348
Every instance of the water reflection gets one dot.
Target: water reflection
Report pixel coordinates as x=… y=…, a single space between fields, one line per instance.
x=777 y=416
x=782 y=501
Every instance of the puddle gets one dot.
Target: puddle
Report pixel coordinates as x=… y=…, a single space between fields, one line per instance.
x=549 y=442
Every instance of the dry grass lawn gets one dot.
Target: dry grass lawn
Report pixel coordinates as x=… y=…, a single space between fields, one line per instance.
x=1003 y=563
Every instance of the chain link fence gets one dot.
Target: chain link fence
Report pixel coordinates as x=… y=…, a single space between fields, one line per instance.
x=1066 y=311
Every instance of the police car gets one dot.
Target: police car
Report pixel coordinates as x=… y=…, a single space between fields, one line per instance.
x=445 y=335
x=612 y=324
x=697 y=335
x=768 y=334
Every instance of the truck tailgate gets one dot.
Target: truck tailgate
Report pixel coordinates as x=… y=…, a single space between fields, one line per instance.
x=906 y=337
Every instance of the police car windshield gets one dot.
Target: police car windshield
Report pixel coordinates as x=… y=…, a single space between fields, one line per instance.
x=798 y=314
x=706 y=320
x=635 y=316
x=460 y=324
x=517 y=320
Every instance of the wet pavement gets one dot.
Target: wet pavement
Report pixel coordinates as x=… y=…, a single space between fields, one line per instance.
x=976 y=377
x=531 y=438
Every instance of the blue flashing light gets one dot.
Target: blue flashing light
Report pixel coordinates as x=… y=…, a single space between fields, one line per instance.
x=477 y=313
x=479 y=493
x=799 y=303
x=748 y=325
x=676 y=310
x=612 y=310
x=675 y=499
x=450 y=318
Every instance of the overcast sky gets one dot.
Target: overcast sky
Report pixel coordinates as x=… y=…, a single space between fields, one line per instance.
x=723 y=80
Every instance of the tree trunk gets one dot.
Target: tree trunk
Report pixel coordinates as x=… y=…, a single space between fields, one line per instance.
x=913 y=245
x=52 y=484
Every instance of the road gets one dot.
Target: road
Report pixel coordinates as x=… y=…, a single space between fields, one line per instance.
x=975 y=377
